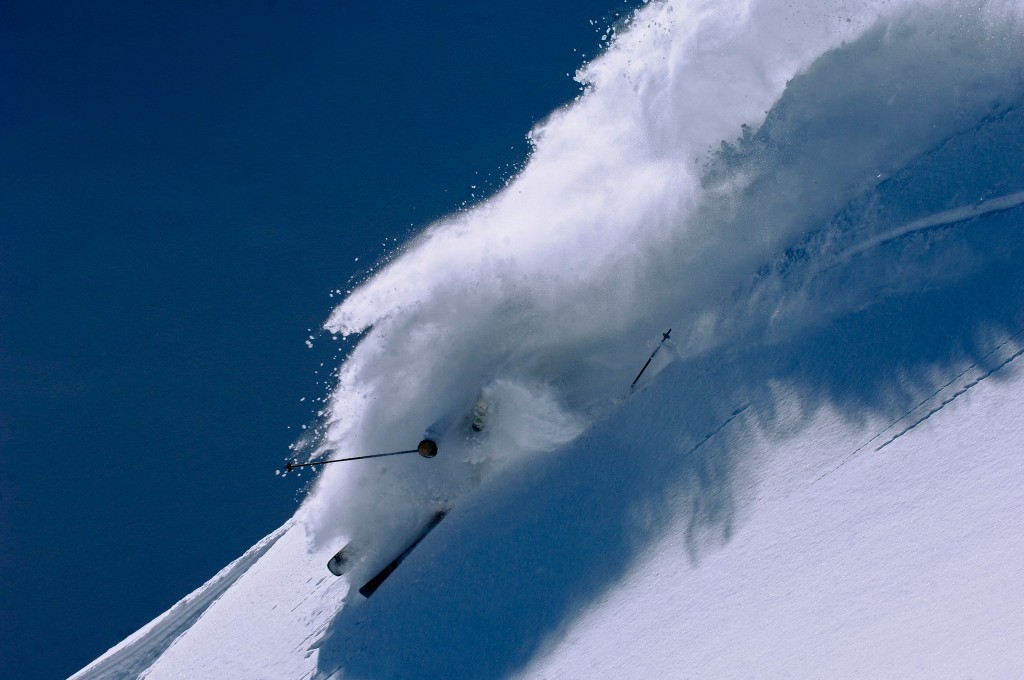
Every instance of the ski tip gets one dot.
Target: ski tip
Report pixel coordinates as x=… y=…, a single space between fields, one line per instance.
x=339 y=563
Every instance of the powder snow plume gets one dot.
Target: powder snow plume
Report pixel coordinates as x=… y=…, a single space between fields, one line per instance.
x=729 y=172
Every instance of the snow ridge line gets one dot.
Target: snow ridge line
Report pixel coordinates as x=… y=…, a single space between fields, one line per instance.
x=136 y=654
x=967 y=386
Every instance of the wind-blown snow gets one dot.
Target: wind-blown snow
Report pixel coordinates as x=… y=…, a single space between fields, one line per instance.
x=824 y=203
x=646 y=205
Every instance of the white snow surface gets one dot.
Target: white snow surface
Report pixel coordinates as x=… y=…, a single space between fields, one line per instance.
x=820 y=473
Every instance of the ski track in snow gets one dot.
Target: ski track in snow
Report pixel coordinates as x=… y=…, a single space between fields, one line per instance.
x=947 y=401
x=732 y=416
x=959 y=385
x=947 y=217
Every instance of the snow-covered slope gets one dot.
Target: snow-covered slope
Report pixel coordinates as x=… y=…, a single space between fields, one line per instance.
x=902 y=563
x=818 y=475
x=783 y=545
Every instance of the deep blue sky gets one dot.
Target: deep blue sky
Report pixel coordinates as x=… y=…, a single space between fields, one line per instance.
x=182 y=185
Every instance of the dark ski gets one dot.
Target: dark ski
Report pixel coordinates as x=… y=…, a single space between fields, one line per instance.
x=374 y=583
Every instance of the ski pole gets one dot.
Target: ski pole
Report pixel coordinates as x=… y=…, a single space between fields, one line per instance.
x=664 y=337
x=426 y=448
